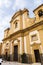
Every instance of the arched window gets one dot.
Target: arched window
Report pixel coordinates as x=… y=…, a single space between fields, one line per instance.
x=34 y=37
x=16 y=24
x=40 y=13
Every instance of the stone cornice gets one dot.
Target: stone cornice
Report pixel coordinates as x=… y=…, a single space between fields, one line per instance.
x=24 y=30
x=7 y=29
x=16 y=33
x=20 y=12
x=34 y=25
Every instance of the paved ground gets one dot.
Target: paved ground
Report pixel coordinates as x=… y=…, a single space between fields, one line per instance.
x=15 y=63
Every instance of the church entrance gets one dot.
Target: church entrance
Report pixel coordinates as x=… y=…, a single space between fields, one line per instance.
x=37 y=55
x=16 y=53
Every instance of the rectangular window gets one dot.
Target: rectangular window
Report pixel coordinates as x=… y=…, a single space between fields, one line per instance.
x=16 y=24
x=34 y=37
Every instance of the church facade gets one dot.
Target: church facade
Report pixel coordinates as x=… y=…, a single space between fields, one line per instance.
x=23 y=41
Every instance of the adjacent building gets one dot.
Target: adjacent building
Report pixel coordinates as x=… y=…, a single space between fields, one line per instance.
x=23 y=41
x=0 y=49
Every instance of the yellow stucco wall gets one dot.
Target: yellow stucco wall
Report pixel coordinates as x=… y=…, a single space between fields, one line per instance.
x=20 y=35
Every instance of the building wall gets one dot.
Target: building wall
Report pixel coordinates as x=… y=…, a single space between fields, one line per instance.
x=21 y=36
x=0 y=48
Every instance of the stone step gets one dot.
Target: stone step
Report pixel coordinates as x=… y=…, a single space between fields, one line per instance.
x=36 y=64
x=16 y=63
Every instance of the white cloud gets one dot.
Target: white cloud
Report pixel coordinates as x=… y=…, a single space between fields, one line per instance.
x=3 y=25
x=1 y=3
x=5 y=22
x=18 y=4
x=37 y=2
x=4 y=19
x=6 y=3
x=1 y=12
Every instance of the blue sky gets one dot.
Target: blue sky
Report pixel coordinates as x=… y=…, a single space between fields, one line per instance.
x=9 y=7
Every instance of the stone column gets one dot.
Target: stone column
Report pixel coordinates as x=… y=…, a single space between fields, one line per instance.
x=21 y=42
x=11 y=50
x=41 y=55
x=25 y=46
x=41 y=49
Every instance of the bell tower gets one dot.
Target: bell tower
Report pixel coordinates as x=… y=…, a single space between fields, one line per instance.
x=39 y=13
